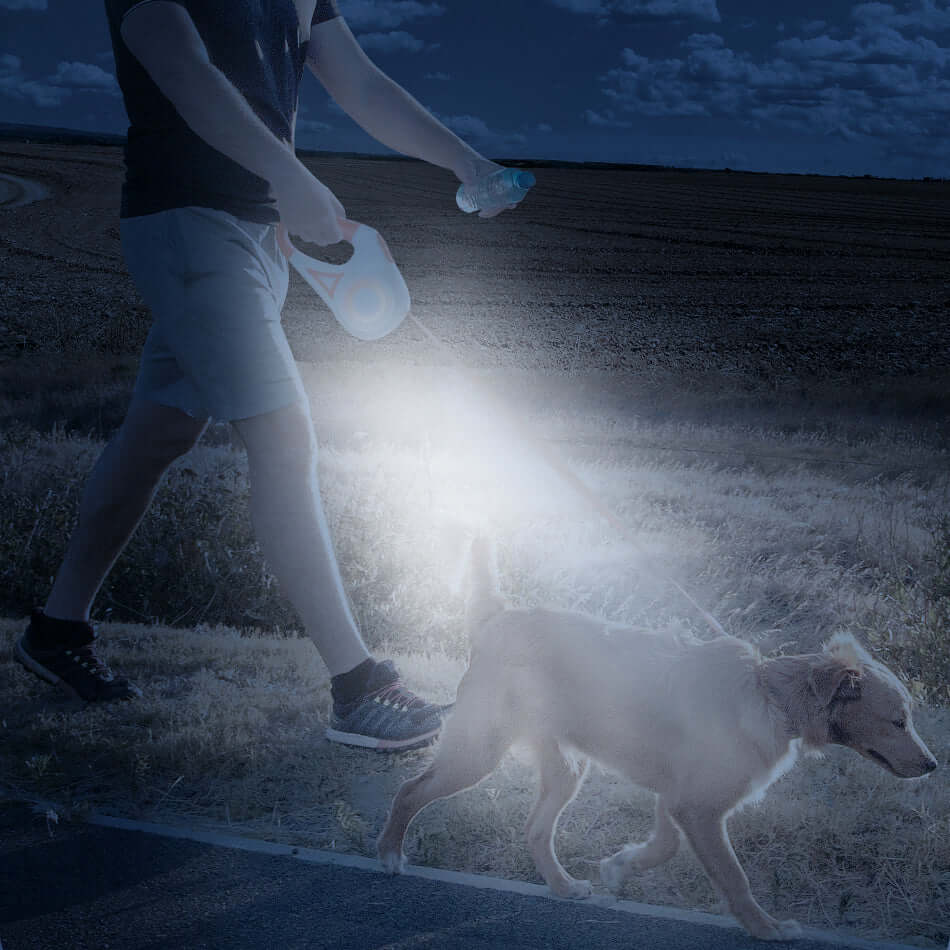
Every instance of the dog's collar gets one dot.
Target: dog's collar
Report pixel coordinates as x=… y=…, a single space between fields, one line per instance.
x=775 y=706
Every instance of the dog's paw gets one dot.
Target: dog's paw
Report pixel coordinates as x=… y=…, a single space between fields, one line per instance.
x=393 y=862
x=574 y=890
x=778 y=930
x=788 y=930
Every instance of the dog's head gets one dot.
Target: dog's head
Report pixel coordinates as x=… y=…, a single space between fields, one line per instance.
x=869 y=709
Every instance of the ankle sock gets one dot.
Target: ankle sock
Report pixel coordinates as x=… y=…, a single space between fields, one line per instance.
x=346 y=687
x=48 y=632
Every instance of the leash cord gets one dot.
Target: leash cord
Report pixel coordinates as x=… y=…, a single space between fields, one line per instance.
x=556 y=462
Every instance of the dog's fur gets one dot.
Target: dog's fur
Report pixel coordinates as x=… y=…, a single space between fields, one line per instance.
x=708 y=726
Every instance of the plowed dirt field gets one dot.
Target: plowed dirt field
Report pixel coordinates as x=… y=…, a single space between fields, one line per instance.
x=772 y=282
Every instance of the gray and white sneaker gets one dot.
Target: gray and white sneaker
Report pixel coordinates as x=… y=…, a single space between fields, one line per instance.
x=387 y=717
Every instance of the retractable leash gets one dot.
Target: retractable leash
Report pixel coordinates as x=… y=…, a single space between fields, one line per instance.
x=367 y=294
x=369 y=298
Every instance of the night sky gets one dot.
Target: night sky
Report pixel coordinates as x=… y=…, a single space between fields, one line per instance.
x=822 y=86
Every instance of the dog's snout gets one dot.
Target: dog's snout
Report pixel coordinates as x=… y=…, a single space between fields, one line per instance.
x=930 y=765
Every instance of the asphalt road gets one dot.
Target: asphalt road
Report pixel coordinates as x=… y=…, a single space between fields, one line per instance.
x=82 y=886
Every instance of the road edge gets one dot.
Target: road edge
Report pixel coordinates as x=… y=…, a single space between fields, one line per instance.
x=484 y=882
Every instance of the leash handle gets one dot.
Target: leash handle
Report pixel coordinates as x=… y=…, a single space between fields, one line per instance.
x=347 y=226
x=367 y=294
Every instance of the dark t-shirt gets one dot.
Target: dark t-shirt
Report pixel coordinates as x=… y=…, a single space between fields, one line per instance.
x=255 y=44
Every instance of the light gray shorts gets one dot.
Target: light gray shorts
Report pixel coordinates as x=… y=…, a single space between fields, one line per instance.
x=216 y=286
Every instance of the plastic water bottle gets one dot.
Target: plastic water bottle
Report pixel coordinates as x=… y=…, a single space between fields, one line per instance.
x=505 y=187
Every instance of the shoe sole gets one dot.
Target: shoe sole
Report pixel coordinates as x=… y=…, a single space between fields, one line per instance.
x=382 y=745
x=37 y=668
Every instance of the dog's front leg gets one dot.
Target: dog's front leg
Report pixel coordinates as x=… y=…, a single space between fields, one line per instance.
x=469 y=750
x=709 y=840
x=404 y=808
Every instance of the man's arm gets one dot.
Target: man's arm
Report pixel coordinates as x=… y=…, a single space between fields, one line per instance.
x=163 y=38
x=382 y=107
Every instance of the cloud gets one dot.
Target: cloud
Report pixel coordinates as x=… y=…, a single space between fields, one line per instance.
x=85 y=77
x=55 y=89
x=608 y=120
x=474 y=129
x=14 y=85
x=598 y=7
x=394 y=42
x=666 y=9
x=468 y=125
x=876 y=86
x=385 y=14
x=882 y=45
x=22 y=4
x=312 y=125
x=924 y=15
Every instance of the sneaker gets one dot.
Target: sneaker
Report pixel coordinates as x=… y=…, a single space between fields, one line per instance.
x=387 y=717
x=60 y=652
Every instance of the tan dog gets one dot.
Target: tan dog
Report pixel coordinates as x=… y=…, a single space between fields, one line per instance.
x=708 y=726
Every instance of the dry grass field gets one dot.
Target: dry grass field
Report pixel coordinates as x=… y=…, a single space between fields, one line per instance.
x=750 y=371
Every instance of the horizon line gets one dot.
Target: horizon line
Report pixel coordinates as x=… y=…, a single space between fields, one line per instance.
x=26 y=132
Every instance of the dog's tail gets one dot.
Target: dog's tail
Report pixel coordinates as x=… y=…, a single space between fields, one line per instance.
x=484 y=599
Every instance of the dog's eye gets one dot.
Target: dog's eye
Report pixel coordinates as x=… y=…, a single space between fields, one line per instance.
x=900 y=723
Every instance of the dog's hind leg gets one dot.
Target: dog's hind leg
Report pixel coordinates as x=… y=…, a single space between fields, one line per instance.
x=560 y=779
x=660 y=847
x=706 y=833
x=468 y=751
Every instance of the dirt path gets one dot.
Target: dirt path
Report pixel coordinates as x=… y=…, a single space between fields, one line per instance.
x=16 y=192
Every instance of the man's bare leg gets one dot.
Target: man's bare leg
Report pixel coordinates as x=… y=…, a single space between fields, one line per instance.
x=370 y=706
x=291 y=527
x=116 y=495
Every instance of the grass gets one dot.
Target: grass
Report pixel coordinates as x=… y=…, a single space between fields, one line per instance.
x=786 y=531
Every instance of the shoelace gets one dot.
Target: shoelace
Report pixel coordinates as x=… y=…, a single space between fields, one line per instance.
x=90 y=662
x=398 y=697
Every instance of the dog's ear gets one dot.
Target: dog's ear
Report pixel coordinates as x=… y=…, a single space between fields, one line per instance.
x=830 y=680
x=846 y=649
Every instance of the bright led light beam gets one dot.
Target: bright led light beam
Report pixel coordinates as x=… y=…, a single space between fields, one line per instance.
x=369 y=298
x=554 y=459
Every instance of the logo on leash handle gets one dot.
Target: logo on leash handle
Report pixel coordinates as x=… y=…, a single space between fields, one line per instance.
x=367 y=294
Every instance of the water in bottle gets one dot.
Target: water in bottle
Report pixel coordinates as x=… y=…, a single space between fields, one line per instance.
x=505 y=187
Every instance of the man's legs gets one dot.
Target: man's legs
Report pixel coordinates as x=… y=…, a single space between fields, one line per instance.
x=370 y=705
x=115 y=498
x=216 y=287
x=291 y=526
x=285 y=506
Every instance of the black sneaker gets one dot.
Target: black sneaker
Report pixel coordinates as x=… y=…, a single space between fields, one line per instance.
x=60 y=652
x=387 y=717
